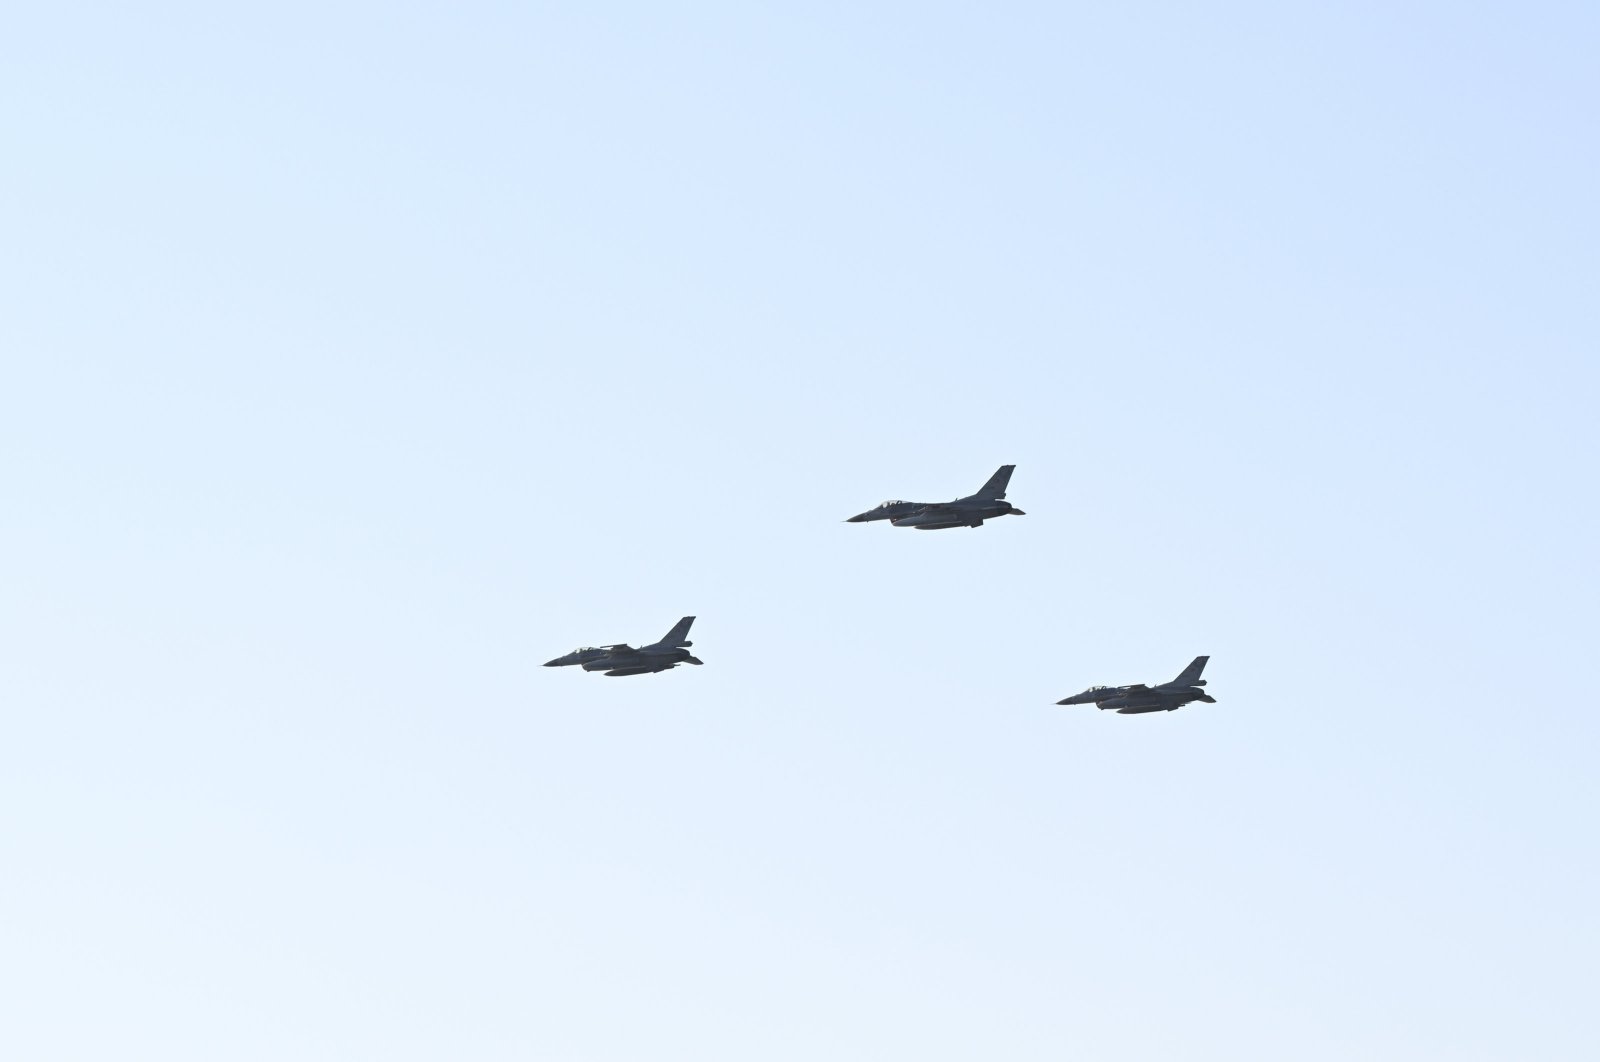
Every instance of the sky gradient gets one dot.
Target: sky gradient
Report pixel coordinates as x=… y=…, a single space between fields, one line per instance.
x=358 y=358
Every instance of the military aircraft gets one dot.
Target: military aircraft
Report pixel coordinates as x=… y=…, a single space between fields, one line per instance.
x=623 y=659
x=970 y=511
x=1136 y=700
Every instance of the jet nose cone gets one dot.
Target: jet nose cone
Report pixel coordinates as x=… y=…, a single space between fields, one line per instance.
x=858 y=518
x=557 y=662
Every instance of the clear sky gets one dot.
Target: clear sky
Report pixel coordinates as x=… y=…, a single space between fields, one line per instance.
x=357 y=358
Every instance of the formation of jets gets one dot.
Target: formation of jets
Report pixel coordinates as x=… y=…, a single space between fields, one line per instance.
x=987 y=503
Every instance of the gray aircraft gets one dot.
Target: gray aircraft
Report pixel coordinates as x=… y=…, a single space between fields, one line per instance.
x=623 y=659
x=971 y=511
x=1136 y=700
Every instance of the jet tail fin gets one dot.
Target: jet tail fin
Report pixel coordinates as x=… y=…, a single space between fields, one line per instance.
x=679 y=634
x=996 y=487
x=1191 y=674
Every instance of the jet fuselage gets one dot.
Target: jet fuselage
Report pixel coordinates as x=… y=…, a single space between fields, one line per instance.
x=1138 y=699
x=939 y=517
x=640 y=661
x=624 y=659
x=1161 y=699
x=1126 y=700
x=970 y=511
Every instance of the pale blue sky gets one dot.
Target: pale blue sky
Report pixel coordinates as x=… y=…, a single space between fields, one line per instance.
x=358 y=358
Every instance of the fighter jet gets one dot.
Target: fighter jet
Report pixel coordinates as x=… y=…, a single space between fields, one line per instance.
x=970 y=511
x=1136 y=700
x=623 y=659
